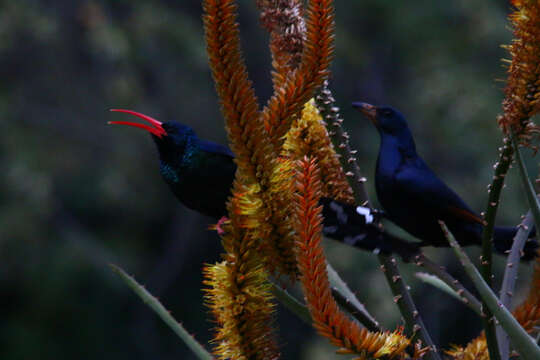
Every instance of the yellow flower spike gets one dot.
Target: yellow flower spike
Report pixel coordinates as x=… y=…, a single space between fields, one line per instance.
x=280 y=255
x=243 y=309
x=238 y=293
x=475 y=350
x=328 y=319
x=308 y=136
x=522 y=90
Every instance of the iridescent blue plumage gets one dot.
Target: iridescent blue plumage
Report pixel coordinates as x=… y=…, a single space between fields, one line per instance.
x=414 y=197
x=199 y=173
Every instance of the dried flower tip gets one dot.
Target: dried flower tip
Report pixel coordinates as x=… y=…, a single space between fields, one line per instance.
x=522 y=92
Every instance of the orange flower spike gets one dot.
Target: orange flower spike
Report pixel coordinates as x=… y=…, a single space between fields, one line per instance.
x=237 y=96
x=255 y=154
x=242 y=310
x=328 y=319
x=308 y=136
x=522 y=91
x=301 y=85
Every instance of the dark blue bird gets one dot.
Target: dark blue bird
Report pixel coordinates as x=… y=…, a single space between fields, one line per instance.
x=414 y=198
x=200 y=173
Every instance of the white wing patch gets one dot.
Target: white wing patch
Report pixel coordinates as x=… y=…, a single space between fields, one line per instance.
x=366 y=213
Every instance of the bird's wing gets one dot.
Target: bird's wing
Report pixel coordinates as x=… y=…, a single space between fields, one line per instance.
x=212 y=147
x=419 y=184
x=218 y=160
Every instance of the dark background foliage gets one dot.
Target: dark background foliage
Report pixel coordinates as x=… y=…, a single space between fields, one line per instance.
x=77 y=194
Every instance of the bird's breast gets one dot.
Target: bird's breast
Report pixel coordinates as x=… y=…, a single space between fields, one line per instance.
x=389 y=162
x=169 y=173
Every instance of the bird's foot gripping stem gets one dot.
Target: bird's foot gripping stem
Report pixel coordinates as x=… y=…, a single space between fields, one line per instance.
x=219 y=227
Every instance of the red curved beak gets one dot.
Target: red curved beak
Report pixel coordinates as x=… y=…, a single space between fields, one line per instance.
x=156 y=128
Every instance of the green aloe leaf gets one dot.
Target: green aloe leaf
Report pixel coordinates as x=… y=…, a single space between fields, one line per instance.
x=160 y=310
x=523 y=343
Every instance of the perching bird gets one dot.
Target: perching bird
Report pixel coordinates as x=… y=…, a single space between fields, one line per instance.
x=414 y=198
x=200 y=173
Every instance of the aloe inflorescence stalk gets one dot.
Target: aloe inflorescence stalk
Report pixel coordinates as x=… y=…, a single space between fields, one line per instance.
x=259 y=231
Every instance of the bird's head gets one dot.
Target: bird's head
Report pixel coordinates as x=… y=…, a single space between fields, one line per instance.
x=385 y=118
x=171 y=137
x=391 y=125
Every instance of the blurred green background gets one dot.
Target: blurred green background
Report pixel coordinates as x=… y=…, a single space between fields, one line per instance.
x=78 y=194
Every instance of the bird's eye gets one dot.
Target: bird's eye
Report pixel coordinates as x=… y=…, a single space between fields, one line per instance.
x=387 y=112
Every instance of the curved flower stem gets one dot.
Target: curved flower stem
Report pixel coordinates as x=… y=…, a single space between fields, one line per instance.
x=329 y=320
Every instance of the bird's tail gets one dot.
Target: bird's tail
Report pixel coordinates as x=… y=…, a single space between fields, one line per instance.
x=504 y=236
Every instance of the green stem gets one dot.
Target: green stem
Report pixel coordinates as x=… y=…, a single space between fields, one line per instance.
x=340 y=139
x=528 y=186
x=402 y=297
x=160 y=310
x=501 y=169
x=524 y=343
x=291 y=303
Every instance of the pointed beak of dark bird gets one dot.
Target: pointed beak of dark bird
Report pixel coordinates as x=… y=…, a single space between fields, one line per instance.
x=156 y=128
x=370 y=111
